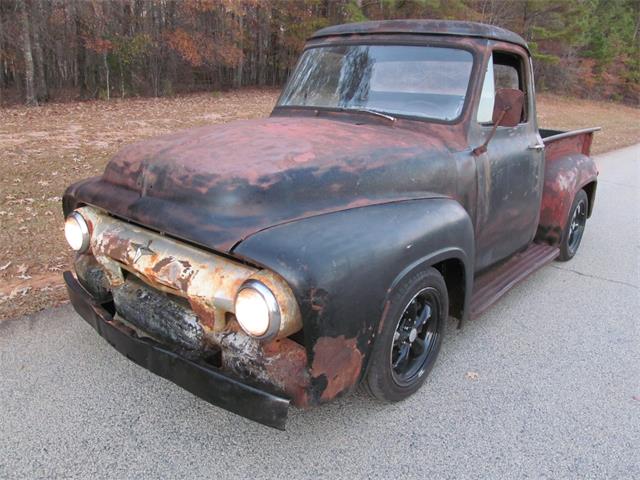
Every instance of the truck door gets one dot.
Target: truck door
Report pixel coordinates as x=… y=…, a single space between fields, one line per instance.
x=510 y=173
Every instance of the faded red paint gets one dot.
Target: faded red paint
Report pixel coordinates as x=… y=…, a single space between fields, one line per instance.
x=568 y=168
x=260 y=173
x=202 y=157
x=339 y=361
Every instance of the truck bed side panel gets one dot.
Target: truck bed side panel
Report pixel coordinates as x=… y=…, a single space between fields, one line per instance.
x=568 y=168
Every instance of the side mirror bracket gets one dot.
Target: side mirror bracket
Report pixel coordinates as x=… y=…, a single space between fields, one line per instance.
x=507 y=112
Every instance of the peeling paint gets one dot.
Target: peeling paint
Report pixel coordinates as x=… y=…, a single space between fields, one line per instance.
x=339 y=361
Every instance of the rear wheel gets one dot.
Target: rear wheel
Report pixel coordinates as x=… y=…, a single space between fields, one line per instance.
x=411 y=335
x=574 y=229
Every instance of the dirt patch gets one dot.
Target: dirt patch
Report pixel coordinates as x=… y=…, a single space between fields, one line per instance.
x=44 y=149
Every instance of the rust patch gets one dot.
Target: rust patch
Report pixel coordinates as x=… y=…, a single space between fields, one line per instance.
x=162 y=263
x=205 y=314
x=281 y=363
x=286 y=363
x=115 y=247
x=185 y=276
x=318 y=298
x=340 y=361
x=387 y=305
x=288 y=162
x=567 y=170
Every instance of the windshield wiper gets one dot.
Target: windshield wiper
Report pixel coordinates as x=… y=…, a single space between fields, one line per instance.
x=369 y=110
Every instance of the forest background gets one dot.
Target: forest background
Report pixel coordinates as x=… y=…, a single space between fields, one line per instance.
x=87 y=49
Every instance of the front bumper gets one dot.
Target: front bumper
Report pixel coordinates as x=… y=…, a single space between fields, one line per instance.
x=201 y=379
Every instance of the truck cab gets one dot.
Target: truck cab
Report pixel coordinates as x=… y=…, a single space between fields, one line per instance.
x=401 y=179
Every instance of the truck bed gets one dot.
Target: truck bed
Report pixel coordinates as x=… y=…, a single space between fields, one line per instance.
x=559 y=143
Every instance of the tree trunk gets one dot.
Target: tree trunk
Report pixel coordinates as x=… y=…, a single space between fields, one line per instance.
x=525 y=21
x=30 y=95
x=81 y=53
x=2 y=79
x=121 y=77
x=106 y=70
x=238 y=78
x=263 y=37
x=41 y=90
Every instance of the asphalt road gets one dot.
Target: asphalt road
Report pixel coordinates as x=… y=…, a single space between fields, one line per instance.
x=554 y=390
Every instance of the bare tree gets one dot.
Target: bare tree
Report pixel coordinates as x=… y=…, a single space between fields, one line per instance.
x=30 y=96
x=2 y=66
x=41 y=90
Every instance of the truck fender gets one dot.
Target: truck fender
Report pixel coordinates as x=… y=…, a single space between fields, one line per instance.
x=343 y=265
x=564 y=177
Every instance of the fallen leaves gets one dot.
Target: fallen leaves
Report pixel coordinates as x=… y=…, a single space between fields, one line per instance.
x=46 y=149
x=22 y=272
x=22 y=291
x=473 y=376
x=16 y=292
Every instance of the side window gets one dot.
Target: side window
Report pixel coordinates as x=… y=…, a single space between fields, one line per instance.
x=504 y=70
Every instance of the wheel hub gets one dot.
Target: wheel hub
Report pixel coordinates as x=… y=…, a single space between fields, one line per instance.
x=415 y=335
x=576 y=226
x=412 y=335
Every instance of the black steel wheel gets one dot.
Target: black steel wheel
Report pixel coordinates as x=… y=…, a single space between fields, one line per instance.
x=411 y=336
x=415 y=335
x=574 y=230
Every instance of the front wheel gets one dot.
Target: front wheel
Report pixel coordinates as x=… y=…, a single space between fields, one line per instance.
x=411 y=335
x=574 y=229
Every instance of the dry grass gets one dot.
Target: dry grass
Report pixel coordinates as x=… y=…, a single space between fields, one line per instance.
x=45 y=149
x=620 y=123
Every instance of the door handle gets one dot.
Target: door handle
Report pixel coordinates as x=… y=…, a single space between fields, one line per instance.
x=538 y=147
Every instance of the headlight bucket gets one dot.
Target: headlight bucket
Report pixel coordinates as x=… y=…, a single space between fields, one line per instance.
x=257 y=310
x=77 y=233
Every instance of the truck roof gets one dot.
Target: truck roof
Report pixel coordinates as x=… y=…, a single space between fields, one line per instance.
x=424 y=27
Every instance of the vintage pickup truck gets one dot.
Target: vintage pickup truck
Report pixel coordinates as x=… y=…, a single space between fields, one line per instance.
x=400 y=180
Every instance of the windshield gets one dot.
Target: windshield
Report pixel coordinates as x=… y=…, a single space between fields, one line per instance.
x=428 y=82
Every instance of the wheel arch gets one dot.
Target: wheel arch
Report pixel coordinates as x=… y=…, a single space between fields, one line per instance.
x=342 y=267
x=590 y=189
x=457 y=271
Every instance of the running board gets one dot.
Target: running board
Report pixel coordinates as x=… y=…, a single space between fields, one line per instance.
x=494 y=283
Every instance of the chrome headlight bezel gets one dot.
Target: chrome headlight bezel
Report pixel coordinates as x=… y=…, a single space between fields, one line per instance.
x=271 y=303
x=83 y=227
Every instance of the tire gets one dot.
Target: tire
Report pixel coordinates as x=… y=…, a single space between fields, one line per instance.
x=395 y=370
x=574 y=229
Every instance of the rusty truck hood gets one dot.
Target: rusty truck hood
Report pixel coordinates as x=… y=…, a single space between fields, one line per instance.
x=215 y=185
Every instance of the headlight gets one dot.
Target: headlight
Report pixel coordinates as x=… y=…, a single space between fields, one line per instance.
x=257 y=310
x=76 y=232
